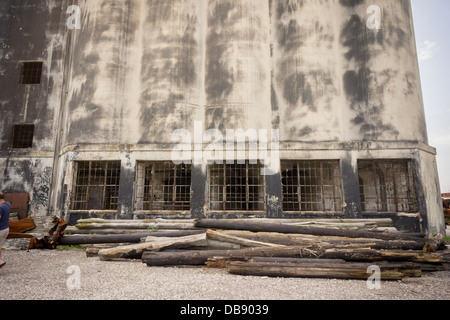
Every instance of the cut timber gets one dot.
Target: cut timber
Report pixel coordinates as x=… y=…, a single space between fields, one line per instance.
x=72 y=230
x=120 y=238
x=153 y=243
x=434 y=244
x=220 y=236
x=97 y=220
x=223 y=262
x=93 y=249
x=220 y=245
x=380 y=222
x=321 y=270
x=298 y=240
x=280 y=228
x=190 y=257
x=337 y=225
x=137 y=225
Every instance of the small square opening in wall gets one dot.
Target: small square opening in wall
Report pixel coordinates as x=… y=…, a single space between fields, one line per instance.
x=31 y=72
x=23 y=136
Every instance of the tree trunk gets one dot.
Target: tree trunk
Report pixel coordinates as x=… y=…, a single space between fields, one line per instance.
x=280 y=228
x=220 y=236
x=298 y=240
x=190 y=257
x=120 y=238
x=380 y=222
x=321 y=270
x=136 y=225
x=152 y=243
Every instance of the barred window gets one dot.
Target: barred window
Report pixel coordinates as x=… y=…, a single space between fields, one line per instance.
x=163 y=186
x=236 y=187
x=387 y=186
x=311 y=186
x=31 y=72
x=23 y=136
x=96 y=185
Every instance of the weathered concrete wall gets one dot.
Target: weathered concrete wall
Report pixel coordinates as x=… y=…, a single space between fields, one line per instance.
x=142 y=69
x=30 y=31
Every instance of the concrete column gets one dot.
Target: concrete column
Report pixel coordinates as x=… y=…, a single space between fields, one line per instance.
x=198 y=195
x=350 y=186
x=274 y=196
x=126 y=186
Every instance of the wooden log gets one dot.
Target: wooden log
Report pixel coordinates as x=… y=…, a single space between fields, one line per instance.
x=120 y=238
x=408 y=268
x=72 y=230
x=320 y=270
x=338 y=225
x=189 y=257
x=380 y=222
x=223 y=262
x=279 y=228
x=297 y=240
x=136 y=225
x=129 y=221
x=154 y=243
x=215 y=235
x=434 y=244
x=93 y=249
x=220 y=245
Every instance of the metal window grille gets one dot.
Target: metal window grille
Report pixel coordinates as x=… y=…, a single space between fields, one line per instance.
x=387 y=186
x=23 y=136
x=96 y=185
x=31 y=72
x=311 y=186
x=163 y=186
x=236 y=187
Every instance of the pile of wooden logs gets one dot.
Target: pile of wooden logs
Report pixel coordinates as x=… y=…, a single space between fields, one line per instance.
x=262 y=247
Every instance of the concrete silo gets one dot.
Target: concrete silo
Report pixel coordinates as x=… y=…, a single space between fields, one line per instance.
x=338 y=79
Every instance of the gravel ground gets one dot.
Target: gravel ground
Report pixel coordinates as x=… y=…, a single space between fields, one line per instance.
x=43 y=275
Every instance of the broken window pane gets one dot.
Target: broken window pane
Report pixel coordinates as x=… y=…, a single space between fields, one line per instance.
x=96 y=185
x=163 y=186
x=236 y=187
x=311 y=186
x=387 y=186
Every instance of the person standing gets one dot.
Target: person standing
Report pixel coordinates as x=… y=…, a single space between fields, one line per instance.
x=5 y=210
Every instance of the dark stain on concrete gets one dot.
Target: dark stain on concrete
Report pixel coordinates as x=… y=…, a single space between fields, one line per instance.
x=358 y=83
x=219 y=77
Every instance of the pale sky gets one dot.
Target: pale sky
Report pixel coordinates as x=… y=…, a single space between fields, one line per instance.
x=432 y=26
